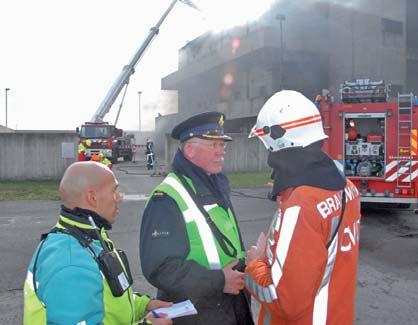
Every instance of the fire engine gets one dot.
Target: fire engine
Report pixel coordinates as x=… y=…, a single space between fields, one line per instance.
x=374 y=141
x=106 y=138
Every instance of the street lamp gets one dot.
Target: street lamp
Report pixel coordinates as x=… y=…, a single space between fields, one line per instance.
x=6 y=90
x=139 y=109
x=281 y=18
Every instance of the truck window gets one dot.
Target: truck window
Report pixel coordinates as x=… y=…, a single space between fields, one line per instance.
x=95 y=132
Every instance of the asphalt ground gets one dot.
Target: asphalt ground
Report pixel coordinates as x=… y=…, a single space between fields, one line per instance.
x=387 y=291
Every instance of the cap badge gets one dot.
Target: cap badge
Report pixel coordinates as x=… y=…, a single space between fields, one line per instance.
x=221 y=120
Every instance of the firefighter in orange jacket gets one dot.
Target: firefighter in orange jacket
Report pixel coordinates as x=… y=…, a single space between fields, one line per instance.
x=304 y=270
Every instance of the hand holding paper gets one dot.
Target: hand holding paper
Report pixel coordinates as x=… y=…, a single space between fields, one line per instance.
x=185 y=308
x=159 y=319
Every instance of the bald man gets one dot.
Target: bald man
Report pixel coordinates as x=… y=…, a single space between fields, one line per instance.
x=76 y=275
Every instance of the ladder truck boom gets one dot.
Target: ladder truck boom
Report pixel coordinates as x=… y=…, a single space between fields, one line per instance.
x=129 y=69
x=101 y=138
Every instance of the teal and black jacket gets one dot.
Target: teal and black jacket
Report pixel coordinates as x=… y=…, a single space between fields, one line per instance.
x=70 y=288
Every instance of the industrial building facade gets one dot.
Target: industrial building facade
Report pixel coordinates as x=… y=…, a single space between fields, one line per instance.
x=304 y=45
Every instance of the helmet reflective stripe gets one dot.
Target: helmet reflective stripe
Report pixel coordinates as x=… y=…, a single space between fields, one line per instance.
x=293 y=124
x=288 y=119
x=301 y=122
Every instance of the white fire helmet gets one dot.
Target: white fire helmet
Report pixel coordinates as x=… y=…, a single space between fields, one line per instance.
x=287 y=120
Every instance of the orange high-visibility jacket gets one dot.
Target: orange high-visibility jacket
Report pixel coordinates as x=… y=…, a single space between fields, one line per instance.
x=301 y=281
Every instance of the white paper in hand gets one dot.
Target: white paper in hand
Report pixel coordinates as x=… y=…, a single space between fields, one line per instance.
x=185 y=308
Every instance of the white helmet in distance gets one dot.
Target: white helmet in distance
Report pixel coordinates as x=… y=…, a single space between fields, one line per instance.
x=287 y=120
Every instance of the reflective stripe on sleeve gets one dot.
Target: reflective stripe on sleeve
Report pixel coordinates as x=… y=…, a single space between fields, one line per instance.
x=275 y=225
x=193 y=213
x=321 y=299
x=267 y=318
x=264 y=294
x=289 y=221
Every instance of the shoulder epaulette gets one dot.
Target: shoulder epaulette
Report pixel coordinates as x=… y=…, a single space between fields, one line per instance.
x=158 y=194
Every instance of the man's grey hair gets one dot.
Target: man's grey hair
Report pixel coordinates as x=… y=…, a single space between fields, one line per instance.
x=183 y=144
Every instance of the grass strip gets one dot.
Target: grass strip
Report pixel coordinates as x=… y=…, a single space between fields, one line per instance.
x=248 y=179
x=48 y=189
x=29 y=190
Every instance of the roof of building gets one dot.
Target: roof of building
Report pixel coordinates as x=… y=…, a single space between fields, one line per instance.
x=3 y=129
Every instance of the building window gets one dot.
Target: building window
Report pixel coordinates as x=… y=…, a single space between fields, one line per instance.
x=395 y=89
x=392 y=26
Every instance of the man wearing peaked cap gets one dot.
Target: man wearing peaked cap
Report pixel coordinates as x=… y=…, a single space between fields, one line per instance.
x=205 y=126
x=190 y=245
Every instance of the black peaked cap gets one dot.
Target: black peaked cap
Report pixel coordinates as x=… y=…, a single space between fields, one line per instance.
x=208 y=125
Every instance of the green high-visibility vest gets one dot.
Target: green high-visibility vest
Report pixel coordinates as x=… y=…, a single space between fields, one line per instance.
x=204 y=247
x=81 y=148
x=106 y=161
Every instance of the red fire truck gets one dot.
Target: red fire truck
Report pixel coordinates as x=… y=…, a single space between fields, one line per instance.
x=105 y=139
x=374 y=141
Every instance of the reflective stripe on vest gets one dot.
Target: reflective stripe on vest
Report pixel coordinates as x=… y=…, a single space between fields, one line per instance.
x=321 y=299
x=290 y=218
x=29 y=280
x=192 y=213
x=34 y=311
x=268 y=294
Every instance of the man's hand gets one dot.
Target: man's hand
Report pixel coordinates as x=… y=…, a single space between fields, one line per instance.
x=154 y=304
x=162 y=318
x=254 y=253
x=234 y=280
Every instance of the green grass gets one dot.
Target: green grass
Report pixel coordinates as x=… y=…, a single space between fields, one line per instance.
x=48 y=190
x=29 y=190
x=243 y=180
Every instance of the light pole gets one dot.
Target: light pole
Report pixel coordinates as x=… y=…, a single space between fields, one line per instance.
x=281 y=18
x=139 y=110
x=6 y=90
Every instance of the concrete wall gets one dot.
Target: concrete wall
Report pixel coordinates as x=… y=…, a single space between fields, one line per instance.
x=3 y=129
x=35 y=155
x=242 y=154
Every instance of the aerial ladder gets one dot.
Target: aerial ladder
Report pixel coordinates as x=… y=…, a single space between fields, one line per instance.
x=104 y=138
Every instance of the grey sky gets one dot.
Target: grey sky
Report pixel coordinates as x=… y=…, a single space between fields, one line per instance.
x=59 y=58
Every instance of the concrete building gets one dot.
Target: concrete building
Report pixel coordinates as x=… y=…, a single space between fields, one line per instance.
x=305 y=45
x=412 y=46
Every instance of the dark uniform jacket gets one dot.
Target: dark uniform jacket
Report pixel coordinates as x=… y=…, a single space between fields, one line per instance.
x=164 y=246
